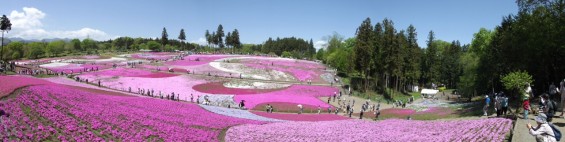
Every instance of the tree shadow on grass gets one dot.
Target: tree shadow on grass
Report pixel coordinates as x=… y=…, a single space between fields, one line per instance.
x=474 y=109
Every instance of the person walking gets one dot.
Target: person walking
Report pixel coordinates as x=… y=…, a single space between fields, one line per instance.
x=504 y=104
x=552 y=90
x=319 y=109
x=361 y=114
x=562 y=92
x=526 y=106
x=377 y=113
x=543 y=131
x=191 y=98
x=485 y=108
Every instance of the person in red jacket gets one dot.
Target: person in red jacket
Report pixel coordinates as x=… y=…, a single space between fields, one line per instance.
x=526 y=106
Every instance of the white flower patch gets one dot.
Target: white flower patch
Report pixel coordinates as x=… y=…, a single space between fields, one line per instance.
x=125 y=55
x=253 y=85
x=248 y=72
x=112 y=59
x=53 y=65
x=218 y=100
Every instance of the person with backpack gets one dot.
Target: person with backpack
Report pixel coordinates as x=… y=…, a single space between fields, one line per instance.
x=543 y=132
x=487 y=102
x=504 y=104
x=526 y=106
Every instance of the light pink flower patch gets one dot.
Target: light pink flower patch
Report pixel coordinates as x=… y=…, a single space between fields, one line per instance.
x=301 y=117
x=76 y=68
x=154 y=55
x=207 y=58
x=179 y=84
x=302 y=70
x=187 y=62
x=128 y=72
x=219 y=88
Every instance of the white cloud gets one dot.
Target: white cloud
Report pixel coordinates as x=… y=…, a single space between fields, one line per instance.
x=320 y=44
x=27 y=24
x=200 y=41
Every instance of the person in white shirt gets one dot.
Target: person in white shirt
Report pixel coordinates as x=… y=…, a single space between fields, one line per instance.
x=562 y=92
x=543 y=131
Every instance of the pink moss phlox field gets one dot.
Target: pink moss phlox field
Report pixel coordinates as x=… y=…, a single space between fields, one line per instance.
x=76 y=68
x=207 y=58
x=70 y=82
x=219 y=88
x=301 y=117
x=202 y=59
x=128 y=72
x=59 y=113
x=10 y=83
x=493 y=129
x=399 y=112
x=154 y=55
x=179 y=84
x=299 y=94
x=302 y=70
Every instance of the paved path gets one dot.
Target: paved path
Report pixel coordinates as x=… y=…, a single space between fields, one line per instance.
x=521 y=133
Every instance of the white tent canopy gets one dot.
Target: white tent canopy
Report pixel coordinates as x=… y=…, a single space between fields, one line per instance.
x=429 y=91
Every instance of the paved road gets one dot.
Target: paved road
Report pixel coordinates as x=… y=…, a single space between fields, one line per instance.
x=521 y=133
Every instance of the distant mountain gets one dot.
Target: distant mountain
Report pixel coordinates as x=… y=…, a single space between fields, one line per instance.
x=8 y=40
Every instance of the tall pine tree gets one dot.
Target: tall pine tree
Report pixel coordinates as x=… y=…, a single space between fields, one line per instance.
x=363 y=50
x=182 y=37
x=219 y=36
x=164 y=38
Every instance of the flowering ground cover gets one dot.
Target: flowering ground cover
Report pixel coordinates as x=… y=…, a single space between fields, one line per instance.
x=289 y=107
x=154 y=55
x=73 y=68
x=10 y=83
x=130 y=72
x=247 y=72
x=431 y=113
x=302 y=70
x=193 y=60
x=54 y=112
x=123 y=80
x=296 y=94
x=238 y=113
x=208 y=58
x=301 y=117
x=82 y=86
x=388 y=130
x=219 y=88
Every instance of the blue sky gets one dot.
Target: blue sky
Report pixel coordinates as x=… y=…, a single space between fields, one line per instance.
x=256 y=20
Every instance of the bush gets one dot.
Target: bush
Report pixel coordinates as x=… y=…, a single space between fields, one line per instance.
x=516 y=81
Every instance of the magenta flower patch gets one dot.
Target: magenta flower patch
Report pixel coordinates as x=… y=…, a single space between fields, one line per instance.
x=388 y=130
